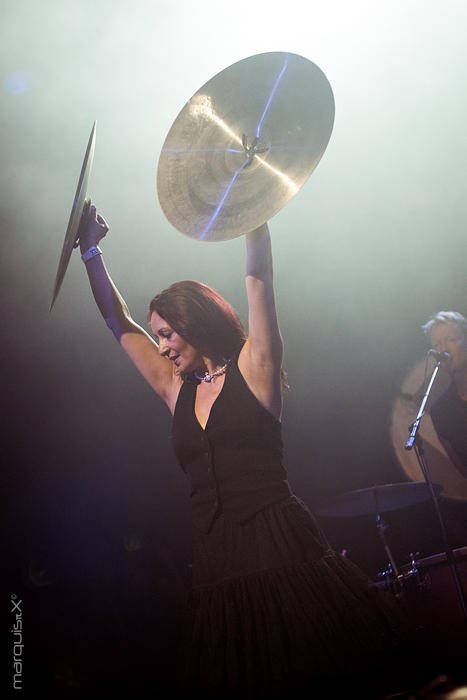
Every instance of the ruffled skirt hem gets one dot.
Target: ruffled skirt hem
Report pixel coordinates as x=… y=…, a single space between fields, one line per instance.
x=295 y=628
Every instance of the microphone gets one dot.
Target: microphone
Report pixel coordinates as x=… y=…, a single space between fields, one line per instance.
x=439 y=356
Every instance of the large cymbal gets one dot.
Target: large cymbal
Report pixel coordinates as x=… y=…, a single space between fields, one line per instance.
x=244 y=145
x=78 y=216
x=378 y=499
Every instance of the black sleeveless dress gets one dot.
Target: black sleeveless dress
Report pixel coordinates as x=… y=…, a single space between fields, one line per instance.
x=272 y=609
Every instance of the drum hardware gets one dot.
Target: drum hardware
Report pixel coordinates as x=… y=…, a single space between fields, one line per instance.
x=413 y=563
x=381 y=528
x=387 y=580
x=395 y=585
x=415 y=573
x=409 y=575
x=411 y=587
x=430 y=597
x=376 y=500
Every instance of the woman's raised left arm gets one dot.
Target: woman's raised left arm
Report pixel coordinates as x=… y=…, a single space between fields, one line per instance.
x=261 y=358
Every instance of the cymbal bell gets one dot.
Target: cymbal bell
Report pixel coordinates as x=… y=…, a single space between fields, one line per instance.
x=244 y=145
x=78 y=216
x=378 y=499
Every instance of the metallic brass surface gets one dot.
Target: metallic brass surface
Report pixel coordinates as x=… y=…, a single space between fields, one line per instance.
x=378 y=499
x=244 y=145
x=78 y=216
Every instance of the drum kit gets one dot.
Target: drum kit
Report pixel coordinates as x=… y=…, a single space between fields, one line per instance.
x=426 y=586
x=239 y=150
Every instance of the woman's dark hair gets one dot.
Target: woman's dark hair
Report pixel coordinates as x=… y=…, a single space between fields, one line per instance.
x=202 y=317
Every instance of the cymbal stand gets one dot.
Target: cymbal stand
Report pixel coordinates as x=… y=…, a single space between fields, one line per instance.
x=382 y=527
x=416 y=441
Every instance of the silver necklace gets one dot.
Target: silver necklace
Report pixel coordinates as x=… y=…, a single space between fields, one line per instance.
x=209 y=377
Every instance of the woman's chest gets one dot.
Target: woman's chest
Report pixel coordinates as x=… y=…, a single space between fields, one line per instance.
x=205 y=398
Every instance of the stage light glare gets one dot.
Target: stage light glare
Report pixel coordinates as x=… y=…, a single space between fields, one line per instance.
x=18 y=82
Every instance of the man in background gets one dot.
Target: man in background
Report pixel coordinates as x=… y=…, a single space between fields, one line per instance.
x=447 y=332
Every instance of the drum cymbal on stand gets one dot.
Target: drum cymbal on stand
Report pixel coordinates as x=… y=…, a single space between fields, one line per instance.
x=378 y=499
x=78 y=216
x=244 y=145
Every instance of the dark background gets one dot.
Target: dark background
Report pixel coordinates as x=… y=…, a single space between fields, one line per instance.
x=97 y=523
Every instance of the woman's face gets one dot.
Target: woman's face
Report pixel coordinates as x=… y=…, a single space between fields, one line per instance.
x=448 y=337
x=171 y=345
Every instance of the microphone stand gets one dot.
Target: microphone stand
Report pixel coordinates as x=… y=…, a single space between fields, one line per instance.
x=416 y=441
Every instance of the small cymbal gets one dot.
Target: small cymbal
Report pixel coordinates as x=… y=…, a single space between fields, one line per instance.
x=78 y=216
x=378 y=499
x=244 y=145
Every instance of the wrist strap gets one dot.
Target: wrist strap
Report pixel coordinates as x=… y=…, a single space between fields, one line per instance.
x=91 y=253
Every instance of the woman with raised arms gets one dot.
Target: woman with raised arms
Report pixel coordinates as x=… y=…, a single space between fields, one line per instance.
x=273 y=609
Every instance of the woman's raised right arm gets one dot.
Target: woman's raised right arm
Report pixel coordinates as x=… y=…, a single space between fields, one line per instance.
x=138 y=345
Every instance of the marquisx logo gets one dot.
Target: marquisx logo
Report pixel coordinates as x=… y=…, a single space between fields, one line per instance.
x=18 y=646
